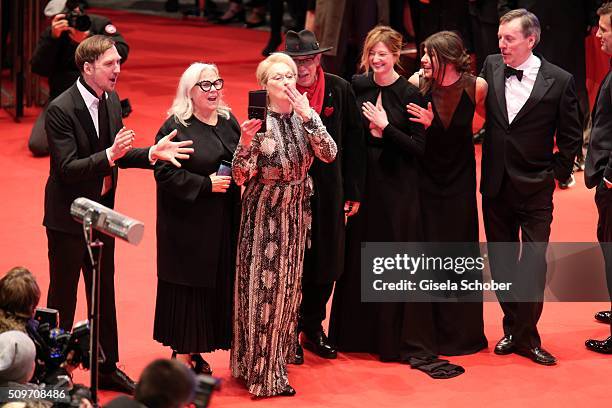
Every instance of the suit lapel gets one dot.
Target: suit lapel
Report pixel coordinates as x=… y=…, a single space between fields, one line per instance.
x=114 y=119
x=499 y=81
x=82 y=113
x=540 y=87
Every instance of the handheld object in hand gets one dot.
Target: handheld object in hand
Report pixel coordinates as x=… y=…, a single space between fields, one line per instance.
x=258 y=107
x=225 y=168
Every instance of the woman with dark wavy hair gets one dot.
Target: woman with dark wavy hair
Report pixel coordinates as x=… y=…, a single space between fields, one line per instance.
x=448 y=179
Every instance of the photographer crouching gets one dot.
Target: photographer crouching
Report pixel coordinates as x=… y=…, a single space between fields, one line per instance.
x=54 y=56
x=33 y=356
x=168 y=384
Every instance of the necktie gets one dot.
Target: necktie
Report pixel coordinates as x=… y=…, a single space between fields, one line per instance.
x=104 y=137
x=509 y=71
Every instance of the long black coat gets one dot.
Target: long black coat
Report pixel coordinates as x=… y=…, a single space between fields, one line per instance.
x=335 y=182
x=524 y=148
x=192 y=221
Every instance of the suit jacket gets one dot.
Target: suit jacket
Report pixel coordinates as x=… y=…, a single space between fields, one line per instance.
x=598 y=164
x=78 y=164
x=524 y=148
x=335 y=182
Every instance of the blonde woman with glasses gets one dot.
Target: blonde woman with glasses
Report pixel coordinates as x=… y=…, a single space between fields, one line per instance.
x=273 y=165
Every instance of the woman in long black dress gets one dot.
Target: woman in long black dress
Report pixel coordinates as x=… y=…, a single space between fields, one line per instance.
x=197 y=218
x=448 y=180
x=390 y=208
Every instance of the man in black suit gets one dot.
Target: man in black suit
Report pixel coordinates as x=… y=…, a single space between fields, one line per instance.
x=565 y=24
x=337 y=186
x=598 y=169
x=529 y=101
x=87 y=143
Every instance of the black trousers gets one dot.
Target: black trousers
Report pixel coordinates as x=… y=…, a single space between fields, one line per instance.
x=68 y=256
x=507 y=215
x=603 y=200
x=313 y=306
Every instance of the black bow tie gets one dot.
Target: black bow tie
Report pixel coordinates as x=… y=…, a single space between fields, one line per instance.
x=509 y=71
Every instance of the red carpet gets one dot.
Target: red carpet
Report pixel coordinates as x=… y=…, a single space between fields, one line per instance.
x=160 y=50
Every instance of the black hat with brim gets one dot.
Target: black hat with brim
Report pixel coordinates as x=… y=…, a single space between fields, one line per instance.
x=302 y=44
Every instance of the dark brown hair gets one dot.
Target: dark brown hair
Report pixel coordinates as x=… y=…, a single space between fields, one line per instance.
x=90 y=50
x=19 y=293
x=446 y=47
x=386 y=35
x=605 y=9
x=165 y=384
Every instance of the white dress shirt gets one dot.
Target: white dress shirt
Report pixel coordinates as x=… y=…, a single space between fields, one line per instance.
x=517 y=92
x=92 y=103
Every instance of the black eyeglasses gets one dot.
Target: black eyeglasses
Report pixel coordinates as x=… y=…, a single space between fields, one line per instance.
x=206 y=86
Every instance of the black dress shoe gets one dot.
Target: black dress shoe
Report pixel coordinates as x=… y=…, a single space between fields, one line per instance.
x=600 y=346
x=604 y=316
x=299 y=355
x=504 y=346
x=319 y=344
x=289 y=391
x=116 y=381
x=537 y=355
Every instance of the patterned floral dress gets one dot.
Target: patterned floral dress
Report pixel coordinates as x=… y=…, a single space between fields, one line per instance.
x=273 y=233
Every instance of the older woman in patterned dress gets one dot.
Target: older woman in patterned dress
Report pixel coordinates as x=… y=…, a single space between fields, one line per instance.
x=274 y=227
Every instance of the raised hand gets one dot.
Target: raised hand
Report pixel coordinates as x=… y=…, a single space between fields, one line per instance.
x=299 y=102
x=167 y=150
x=421 y=115
x=59 y=24
x=375 y=114
x=122 y=144
x=248 y=129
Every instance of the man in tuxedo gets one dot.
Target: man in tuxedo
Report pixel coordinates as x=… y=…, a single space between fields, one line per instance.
x=337 y=186
x=87 y=143
x=598 y=169
x=565 y=24
x=529 y=102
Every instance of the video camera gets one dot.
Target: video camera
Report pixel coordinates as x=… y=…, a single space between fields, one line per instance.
x=76 y=19
x=54 y=346
x=205 y=385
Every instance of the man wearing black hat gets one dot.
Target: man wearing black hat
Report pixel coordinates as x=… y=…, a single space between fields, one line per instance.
x=338 y=186
x=54 y=55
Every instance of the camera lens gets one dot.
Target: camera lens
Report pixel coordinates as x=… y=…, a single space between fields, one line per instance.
x=82 y=22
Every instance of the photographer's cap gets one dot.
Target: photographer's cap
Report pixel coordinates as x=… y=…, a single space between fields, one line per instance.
x=17 y=354
x=54 y=7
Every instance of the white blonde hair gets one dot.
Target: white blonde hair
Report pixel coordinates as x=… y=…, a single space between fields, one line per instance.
x=182 y=106
x=264 y=66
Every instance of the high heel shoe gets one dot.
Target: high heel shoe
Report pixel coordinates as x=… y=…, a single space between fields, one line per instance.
x=289 y=391
x=235 y=12
x=200 y=365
